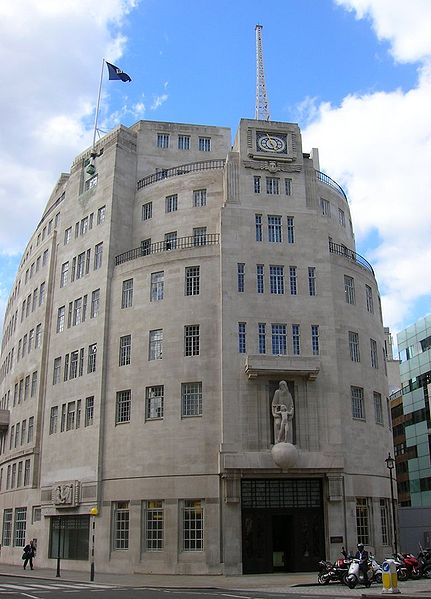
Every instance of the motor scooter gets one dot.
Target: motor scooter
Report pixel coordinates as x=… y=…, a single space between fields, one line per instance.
x=377 y=569
x=333 y=572
x=356 y=575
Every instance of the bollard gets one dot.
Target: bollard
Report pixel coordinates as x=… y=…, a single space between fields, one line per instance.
x=389 y=577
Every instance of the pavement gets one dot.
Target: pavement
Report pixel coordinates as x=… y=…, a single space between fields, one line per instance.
x=304 y=583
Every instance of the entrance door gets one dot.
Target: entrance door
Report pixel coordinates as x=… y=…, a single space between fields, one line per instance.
x=282 y=550
x=256 y=542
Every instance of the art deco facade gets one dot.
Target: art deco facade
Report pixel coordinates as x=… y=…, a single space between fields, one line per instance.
x=171 y=284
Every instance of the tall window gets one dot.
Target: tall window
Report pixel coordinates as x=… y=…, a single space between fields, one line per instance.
x=312 y=280
x=67 y=235
x=191 y=340
x=261 y=333
x=98 y=255
x=256 y=184
x=193 y=525
x=95 y=303
x=288 y=187
x=101 y=214
x=272 y=185
x=378 y=407
x=123 y=406
x=276 y=279
x=157 y=286
x=20 y=526
x=293 y=280
x=349 y=289
x=362 y=521
x=60 y=319
x=199 y=198
x=77 y=311
x=171 y=240
x=7 y=526
x=171 y=203
x=146 y=247
x=341 y=217
x=80 y=266
x=53 y=420
x=155 y=344
x=315 y=339
x=26 y=473
x=325 y=207
x=192 y=280
x=64 y=276
x=241 y=337
x=184 y=142
x=290 y=229
x=384 y=521
x=89 y=411
x=258 y=223
x=373 y=353
x=205 y=144
x=56 y=371
x=199 y=236
x=71 y=415
x=369 y=299
x=163 y=140
x=296 y=340
x=358 y=410
x=127 y=294
x=278 y=339
x=354 y=346
x=154 y=525
x=191 y=399
x=73 y=372
x=92 y=354
x=120 y=525
x=147 y=211
x=30 y=429
x=154 y=402
x=260 y=278
x=274 y=229
x=240 y=276
x=125 y=350
x=33 y=384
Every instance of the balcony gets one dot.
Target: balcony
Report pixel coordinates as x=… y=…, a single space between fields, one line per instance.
x=172 y=245
x=342 y=250
x=4 y=420
x=183 y=169
x=323 y=178
x=282 y=366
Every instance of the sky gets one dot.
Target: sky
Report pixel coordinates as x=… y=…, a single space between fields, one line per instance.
x=354 y=74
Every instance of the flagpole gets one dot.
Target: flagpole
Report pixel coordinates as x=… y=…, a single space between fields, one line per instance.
x=97 y=107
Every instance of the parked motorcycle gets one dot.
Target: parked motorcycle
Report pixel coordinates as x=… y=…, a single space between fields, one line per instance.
x=411 y=564
x=356 y=575
x=402 y=573
x=332 y=572
x=377 y=570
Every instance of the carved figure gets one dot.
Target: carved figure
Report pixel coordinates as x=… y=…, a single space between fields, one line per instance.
x=282 y=411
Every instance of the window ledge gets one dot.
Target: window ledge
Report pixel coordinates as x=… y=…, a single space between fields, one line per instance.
x=264 y=365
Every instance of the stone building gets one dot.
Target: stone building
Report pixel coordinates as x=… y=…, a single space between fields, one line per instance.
x=173 y=282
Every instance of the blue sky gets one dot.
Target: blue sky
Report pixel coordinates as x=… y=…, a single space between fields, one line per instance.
x=355 y=75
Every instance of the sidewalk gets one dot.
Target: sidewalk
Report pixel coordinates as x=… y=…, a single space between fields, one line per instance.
x=299 y=582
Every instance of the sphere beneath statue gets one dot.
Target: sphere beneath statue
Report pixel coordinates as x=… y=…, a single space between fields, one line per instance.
x=284 y=455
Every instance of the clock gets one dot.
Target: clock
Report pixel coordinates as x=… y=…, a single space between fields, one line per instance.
x=267 y=142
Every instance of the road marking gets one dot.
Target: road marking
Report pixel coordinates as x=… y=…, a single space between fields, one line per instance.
x=28 y=595
x=17 y=587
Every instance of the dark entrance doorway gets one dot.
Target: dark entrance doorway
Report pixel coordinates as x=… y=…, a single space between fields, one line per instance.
x=282 y=525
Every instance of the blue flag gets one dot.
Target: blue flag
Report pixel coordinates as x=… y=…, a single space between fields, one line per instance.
x=116 y=73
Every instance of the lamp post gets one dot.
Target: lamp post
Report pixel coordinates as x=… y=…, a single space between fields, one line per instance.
x=93 y=513
x=390 y=465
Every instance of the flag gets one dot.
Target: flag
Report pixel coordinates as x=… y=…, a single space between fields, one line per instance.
x=116 y=73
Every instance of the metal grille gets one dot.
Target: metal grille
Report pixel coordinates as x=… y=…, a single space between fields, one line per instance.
x=262 y=494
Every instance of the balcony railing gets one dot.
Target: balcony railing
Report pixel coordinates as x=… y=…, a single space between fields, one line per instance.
x=342 y=250
x=328 y=181
x=193 y=167
x=181 y=243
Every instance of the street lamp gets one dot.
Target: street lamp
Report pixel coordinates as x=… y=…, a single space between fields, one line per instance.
x=390 y=465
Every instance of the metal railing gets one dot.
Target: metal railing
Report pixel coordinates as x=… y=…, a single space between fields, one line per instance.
x=342 y=250
x=181 y=243
x=328 y=181
x=183 y=169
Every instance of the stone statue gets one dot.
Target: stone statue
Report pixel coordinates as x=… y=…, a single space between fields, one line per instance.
x=282 y=412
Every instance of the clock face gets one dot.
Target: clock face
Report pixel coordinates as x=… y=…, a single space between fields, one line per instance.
x=271 y=143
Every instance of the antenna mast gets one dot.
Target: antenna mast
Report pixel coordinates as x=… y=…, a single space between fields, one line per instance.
x=262 y=104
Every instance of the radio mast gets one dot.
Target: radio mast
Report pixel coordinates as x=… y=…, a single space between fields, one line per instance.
x=262 y=104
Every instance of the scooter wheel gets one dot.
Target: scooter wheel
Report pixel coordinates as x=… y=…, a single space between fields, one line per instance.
x=427 y=573
x=415 y=574
x=351 y=581
x=323 y=578
x=402 y=574
x=378 y=578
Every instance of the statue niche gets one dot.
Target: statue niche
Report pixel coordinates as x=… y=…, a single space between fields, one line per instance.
x=284 y=453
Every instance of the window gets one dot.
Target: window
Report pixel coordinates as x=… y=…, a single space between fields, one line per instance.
x=157 y=286
x=325 y=207
x=80 y=266
x=127 y=293
x=293 y=280
x=91 y=183
x=92 y=353
x=101 y=214
x=191 y=399
x=362 y=528
x=315 y=339
x=240 y=276
x=121 y=524
x=349 y=289
x=276 y=279
x=7 y=526
x=73 y=373
x=67 y=235
x=155 y=344
x=30 y=339
x=354 y=346
x=154 y=524
x=98 y=255
x=184 y=142
x=373 y=354
x=341 y=217
x=147 y=211
x=384 y=521
x=369 y=299
x=70 y=415
x=33 y=384
x=171 y=240
x=358 y=403
x=42 y=293
x=274 y=229
x=288 y=187
x=199 y=198
x=272 y=185
x=205 y=144
x=77 y=311
x=20 y=526
x=44 y=257
x=312 y=280
x=60 y=319
x=30 y=429
x=261 y=341
x=241 y=338
x=95 y=303
x=200 y=236
x=26 y=473
x=163 y=140
x=57 y=371
x=125 y=350
x=171 y=203
x=192 y=280
x=89 y=411
x=193 y=525
x=19 y=475
x=191 y=340
x=260 y=278
x=258 y=223
x=84 y=226
x=154 y=402
x=53 y=420
x=378 y=407
x=256 y=183
x=290 y=229
x=278 y=339
x=123 y=406
x=296 y=340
